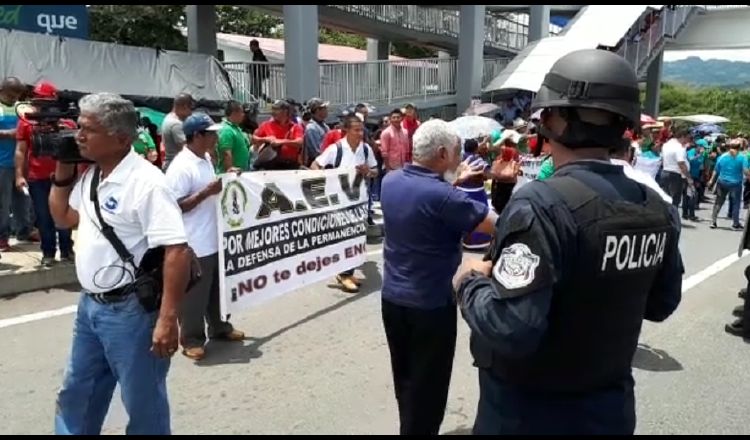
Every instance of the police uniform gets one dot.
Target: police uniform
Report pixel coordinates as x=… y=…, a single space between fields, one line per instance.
x=741 y=325
x=578 y=261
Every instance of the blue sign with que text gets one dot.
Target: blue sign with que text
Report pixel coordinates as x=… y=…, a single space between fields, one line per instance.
x=64 y=20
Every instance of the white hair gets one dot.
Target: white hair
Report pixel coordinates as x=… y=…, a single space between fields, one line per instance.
x=116 y=114
x=431 y=136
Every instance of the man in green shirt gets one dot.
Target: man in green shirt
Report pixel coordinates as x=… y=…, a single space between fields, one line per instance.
x=233 y=147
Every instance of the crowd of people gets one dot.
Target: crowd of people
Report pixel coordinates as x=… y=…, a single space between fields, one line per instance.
x=689 y=164
x=553 y=353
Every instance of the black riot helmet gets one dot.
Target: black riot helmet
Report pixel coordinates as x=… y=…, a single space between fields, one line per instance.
x=591 y=79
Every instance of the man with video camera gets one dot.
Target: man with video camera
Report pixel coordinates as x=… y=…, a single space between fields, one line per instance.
x=33 y=174
x=125 y=330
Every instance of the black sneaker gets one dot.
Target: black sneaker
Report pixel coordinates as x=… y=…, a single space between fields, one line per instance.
x=736 y=329
x=68 y=258
x=738 y=227
x=48 y=261
x=713 y=225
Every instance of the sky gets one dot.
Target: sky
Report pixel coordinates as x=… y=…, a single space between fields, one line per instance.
x=731 y=55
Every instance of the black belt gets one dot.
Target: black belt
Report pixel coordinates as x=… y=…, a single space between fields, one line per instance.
x=113 y=296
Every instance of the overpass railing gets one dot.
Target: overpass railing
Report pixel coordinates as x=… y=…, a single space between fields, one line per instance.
x=376 y=82
x=642 y=48
x=500 y=32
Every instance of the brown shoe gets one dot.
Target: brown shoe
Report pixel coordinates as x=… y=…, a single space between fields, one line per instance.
x=357 y=281
x=194 y=353
x=347 y=283
x=234 y=336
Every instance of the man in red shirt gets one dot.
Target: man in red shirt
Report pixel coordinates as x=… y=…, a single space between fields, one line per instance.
x=411 y=123
x=394 y=143
x=281 y=134
x=331 y=138
x=34 y=174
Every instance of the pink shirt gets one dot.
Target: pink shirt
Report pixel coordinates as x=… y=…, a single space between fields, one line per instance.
x=395 y=147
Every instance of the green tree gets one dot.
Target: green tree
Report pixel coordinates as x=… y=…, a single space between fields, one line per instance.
x=244 y=21
x=406 y=50
x=734 y=104
x=158 y=26
x=139 y=25
x=331 y=36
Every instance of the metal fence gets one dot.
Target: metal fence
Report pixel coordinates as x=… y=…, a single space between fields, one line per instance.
x=387 y=81
x=501 y=32
x=492 y=68
x=257 y=80
x=381 y=82
x=639 y=50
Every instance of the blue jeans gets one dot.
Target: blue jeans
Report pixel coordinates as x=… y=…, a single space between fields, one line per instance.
x=111 y=344
x=375 y=185
x=734 y=192
x=16 y=202
x=39 y=191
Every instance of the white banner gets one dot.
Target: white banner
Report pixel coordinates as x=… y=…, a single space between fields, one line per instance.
x=530 y=167
x=283 y=230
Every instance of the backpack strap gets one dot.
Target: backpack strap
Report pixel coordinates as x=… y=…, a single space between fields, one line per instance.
x=107 y=230
x=339 y=155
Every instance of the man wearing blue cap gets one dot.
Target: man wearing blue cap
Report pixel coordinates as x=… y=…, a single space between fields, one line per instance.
x=191 y=179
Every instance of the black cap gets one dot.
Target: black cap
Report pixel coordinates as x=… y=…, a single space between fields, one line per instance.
x=592 y=78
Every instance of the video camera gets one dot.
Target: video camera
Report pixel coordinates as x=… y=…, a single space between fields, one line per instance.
x=50 y=137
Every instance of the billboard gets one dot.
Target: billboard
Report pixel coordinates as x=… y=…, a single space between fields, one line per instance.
x=64 y=20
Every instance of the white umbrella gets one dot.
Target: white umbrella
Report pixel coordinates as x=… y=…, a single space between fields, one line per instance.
x=480 y=109
x=473 y=127
x=698 y=119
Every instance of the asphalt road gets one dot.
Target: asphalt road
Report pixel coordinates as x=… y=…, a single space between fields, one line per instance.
x=316 y=362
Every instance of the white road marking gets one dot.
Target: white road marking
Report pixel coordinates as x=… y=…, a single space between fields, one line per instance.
x=9 y=322
x=687 y=284
x=694 y=280
x=24 y=319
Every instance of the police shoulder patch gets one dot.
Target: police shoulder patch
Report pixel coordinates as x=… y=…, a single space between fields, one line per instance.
x=516 y=266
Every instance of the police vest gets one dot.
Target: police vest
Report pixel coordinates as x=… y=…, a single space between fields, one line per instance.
x=598 y=307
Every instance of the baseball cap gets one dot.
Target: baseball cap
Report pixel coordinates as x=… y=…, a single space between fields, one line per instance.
x=198 y=122
x=45 y=89
x=314 y=104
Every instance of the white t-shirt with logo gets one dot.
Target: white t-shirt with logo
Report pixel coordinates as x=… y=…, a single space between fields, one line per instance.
x=672 y=153
x=349 y=158
x=189 y=174
x=134 y=200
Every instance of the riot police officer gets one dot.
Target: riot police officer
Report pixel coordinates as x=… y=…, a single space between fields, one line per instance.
x=578 y=261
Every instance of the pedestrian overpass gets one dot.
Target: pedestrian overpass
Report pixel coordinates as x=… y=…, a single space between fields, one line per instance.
x=434 y=27
x=491 y=56
x=718 y=27
x=684 y=27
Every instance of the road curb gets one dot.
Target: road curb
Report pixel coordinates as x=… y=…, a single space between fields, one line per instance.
x=13 y=282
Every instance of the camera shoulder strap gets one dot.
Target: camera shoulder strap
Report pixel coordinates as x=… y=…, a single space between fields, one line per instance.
x=107 y=230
